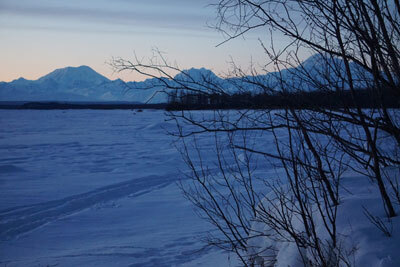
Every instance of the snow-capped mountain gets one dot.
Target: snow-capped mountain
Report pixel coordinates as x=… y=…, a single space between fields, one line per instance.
x=315 y=73
x=84 y=84
x=72 y=78
x=323 y=71
x=66 y=84
x=197 y=75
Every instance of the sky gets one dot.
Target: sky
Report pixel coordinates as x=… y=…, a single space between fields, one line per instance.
x=39 y=36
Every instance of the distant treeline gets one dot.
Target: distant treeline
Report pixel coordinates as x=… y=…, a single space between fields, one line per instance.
x=78 y=105
x=325 y=99
x=198 y=101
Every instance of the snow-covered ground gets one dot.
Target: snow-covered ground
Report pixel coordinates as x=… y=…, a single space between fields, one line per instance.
x=95 y=188
x=362 y=243
x=99 y=188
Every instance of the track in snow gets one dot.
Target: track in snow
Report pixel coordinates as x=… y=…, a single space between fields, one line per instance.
x=19 y=220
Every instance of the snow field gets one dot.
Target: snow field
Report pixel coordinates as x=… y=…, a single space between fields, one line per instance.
x=94 y=188
x=99 y=188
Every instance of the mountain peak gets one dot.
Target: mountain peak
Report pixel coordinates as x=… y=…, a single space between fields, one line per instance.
x=196 y=74
x=74 y=77
x=318 y=61
x=20 y=79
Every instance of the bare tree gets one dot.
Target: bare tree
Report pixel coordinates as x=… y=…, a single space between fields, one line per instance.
x=356 y=47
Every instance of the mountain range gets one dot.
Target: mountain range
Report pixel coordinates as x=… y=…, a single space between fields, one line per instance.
x=84 y=84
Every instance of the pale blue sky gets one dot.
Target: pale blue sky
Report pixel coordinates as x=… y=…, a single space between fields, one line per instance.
x=38 y=36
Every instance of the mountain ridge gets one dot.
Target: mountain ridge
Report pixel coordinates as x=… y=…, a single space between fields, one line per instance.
x=82 y=83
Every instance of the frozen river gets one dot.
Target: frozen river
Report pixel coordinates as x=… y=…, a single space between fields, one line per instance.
x=94 y=188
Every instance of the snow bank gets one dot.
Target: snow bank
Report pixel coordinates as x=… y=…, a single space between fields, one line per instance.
x=365 y=244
